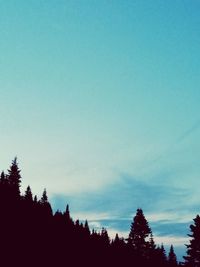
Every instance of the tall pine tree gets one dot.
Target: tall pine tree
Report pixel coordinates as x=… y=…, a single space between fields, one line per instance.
x=14 y=179
x=140 y=234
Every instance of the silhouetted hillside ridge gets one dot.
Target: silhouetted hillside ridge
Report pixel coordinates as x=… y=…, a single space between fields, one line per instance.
x=32 y=235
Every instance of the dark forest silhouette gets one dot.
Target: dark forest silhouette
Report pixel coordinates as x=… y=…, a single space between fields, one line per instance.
x=32 y=235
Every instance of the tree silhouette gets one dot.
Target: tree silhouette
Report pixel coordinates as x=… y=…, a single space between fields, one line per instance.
x=161 y=258
x=29 y=227
x=44 y=198
x=4 y=189
x=28 y=194
x=151 y=251
x=193 y=249
x=172 y=260
x=3 y=177
x=14 y=179
x=139 y=233
x=104 y=237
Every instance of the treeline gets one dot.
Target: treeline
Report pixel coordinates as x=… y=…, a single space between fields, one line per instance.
x=32 y=235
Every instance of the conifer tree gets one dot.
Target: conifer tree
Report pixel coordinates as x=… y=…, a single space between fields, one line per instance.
x=3 y=188
x=86 y=227
x=118 y=243
x=44 y=198
x=35 y=199
x=67 y=213
x=151 y=242
x=28 y=194
x=2 y=178
x=116 y=240
x=14 y=179
x=161 y=258
x=3 y=181
x=67 y=216
x=44 y=203
x=193 y=249
x=139 y=233
x=172 y=260
x=163 y=252
x=151 y=250
x=104 y=237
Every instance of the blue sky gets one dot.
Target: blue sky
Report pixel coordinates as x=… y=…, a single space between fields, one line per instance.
x=100 y=102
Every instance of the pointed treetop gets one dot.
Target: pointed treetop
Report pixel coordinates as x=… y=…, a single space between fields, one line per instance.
x=35 y=199
x=139 y=227
x=67 y=208
x=15 y=160
x=104 y=236
x=67 y=215
x=14 y=166
x=44 y=198
x=28 y=194
x=151 y=242
x=172 y=259
x=116 y=237
x=2 y=176
x=163 y=252
x=14 y=178
x=86 y=224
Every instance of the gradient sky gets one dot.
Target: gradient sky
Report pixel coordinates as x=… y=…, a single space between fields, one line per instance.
x=100 y=102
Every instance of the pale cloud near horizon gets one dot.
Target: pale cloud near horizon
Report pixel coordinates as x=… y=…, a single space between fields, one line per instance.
x=170 y=217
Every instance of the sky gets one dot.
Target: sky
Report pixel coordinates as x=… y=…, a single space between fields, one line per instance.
x=99 y=100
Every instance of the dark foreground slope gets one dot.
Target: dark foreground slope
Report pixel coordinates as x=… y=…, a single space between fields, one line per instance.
x=32 y=235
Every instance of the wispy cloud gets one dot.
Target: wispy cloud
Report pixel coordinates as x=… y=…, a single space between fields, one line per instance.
x=169 y=240
x=167 y=152
x=167 y=208
x=121 y=199
x=189 y=131
x=170 y=217
x=114 y=206
x=91 y=216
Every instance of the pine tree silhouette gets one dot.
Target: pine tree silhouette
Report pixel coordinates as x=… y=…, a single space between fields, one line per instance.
x=172 y=260
x=161 y=258
x=193 y=249
x=2 y=178
x=44 y=198
x=139 y=233
x=4 y=189
x=14 y=179
x=28 y=194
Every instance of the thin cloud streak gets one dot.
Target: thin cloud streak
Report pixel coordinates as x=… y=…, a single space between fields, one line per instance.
x=188 y=132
